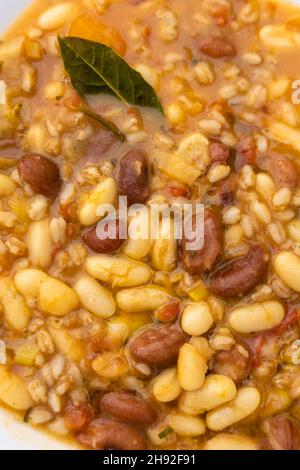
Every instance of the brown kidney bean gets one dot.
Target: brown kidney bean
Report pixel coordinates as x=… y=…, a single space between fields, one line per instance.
x=215 y=47
x=41 y=174
x=235 y=363
x=245 y=152
x=76 y=417
x=108 y=434
x=127 y=407
x=281 y=434
x=240 y=275
x=281 y=168
x=159 y=345
x=133 y=177
x=106 y=245
x=200 y=261
x=219 y=153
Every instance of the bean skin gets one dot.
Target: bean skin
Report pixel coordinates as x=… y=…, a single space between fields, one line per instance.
x=240 y=275
x=281 y=434
x=233 y=363
x=200 y=261
x=224 y=192
x=133 y=177
x=107 y=245
x=215 y=47
x=245 y=152
x=100 y=145
x=127 y=407
x=158 y=346
x=283 y=171
x=219 y=153
x=105 y=433
x=41 y=173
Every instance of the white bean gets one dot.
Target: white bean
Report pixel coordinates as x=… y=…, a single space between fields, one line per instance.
x=216 y=390
x=244 y=404
x=56 y=298
x=137 y=249
x=138 y=244
x=15 y=310
x=185 y=425
x=287 y=267
x=104 y=193
x=293 y=229
x=192 y=367
x=262 y=212
x=53 y=296
x=142 y=299
x=277 y=37
x=28 y=281
x=164 y=251
x=224 y=441
x=118 y=270
x=57 y=16
x=196 y=318
x=95 y=297
x=39 y=243
x=66 y=344
x=166 y=386
x=256 y=317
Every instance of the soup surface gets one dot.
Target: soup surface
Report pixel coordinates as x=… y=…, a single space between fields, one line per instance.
x=126 y=342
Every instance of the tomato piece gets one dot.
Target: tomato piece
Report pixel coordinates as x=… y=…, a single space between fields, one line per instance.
x=257 y=345
x=168 y=313
x=289 y=320
x=178 y=192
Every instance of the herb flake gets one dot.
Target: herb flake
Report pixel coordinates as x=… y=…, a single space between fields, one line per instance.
x=165 y=432
x=104 y=122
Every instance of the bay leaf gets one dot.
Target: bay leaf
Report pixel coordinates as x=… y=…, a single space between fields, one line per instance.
x=96 y=68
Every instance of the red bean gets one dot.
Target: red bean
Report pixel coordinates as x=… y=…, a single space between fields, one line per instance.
x=203 y=260
x=77 y=416
x=240 y=275
x=41 y=173
x=283 y=171
x=105 y=433
x=127 y=407
x=235 y=363
x=133 y=177
x=106 y=245
x=281 y=434
x=159 y=345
